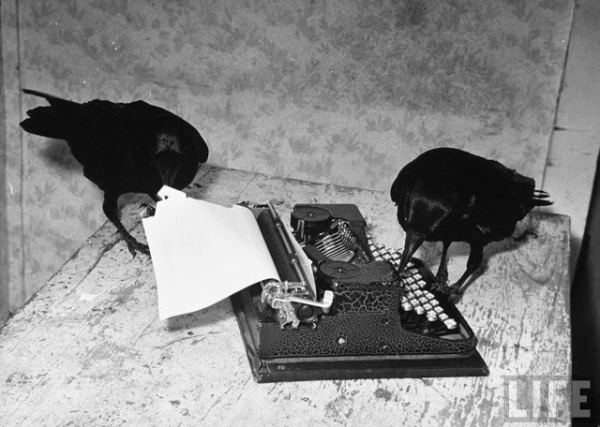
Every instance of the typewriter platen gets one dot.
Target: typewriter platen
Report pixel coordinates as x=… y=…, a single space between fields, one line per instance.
x=360 y=318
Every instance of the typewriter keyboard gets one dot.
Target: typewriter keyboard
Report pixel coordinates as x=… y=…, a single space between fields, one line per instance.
x=422 y=310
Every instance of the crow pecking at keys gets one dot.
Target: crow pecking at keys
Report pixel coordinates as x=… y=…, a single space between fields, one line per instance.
x=123 y=148
x=450 y=195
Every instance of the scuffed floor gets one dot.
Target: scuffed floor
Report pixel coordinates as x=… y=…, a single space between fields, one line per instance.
x=90 y=350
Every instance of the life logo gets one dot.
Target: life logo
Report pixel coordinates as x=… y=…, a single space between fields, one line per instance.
x=545 y=399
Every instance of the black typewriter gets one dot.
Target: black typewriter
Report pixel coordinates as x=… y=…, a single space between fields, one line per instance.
x=351 y=314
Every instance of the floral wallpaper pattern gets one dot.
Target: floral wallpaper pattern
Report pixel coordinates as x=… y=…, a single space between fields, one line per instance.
x=343 y=92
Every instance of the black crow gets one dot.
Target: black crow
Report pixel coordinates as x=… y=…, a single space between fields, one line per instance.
x=450 y=195
x=123 y=148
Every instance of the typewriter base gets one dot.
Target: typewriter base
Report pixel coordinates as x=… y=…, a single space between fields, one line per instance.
x=267 y=370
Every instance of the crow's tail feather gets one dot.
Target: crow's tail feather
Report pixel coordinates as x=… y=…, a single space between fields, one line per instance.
x=55 y=101
x=540 y=198
x=52 y=121
x=45 y=121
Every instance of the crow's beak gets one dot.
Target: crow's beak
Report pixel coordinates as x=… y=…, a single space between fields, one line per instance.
x=168 y=166
x=411 y=244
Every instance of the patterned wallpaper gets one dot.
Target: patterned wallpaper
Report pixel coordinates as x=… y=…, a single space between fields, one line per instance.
x=336 y=91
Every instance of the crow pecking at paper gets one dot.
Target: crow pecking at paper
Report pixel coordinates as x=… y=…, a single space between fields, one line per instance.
x=123 y=148
x=450 y=195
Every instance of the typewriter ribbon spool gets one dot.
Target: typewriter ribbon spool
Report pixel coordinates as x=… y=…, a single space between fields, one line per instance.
x=309 y=220
x=339 y=270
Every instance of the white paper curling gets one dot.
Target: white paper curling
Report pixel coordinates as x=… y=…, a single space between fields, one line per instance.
x=203 y=252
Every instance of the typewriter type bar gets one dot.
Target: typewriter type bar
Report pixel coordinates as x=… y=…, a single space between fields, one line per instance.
x=380 y=324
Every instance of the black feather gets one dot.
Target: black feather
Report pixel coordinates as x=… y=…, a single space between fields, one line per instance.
x=450 y=195
x=123 y=148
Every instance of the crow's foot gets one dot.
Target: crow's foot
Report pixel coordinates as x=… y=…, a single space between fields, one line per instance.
x=134 y=246
x=443 y=287
x=147 y=210
x=441 y=282
x=453 y=292
x=454 y=297
x=442 y=276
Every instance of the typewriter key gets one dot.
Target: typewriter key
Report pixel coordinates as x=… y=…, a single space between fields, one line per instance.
x=417 y=298
x=450 y=323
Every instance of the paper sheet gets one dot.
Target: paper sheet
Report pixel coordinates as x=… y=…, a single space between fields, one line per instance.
x=203 y=252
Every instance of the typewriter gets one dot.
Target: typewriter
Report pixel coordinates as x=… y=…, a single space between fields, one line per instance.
x=352 y=314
